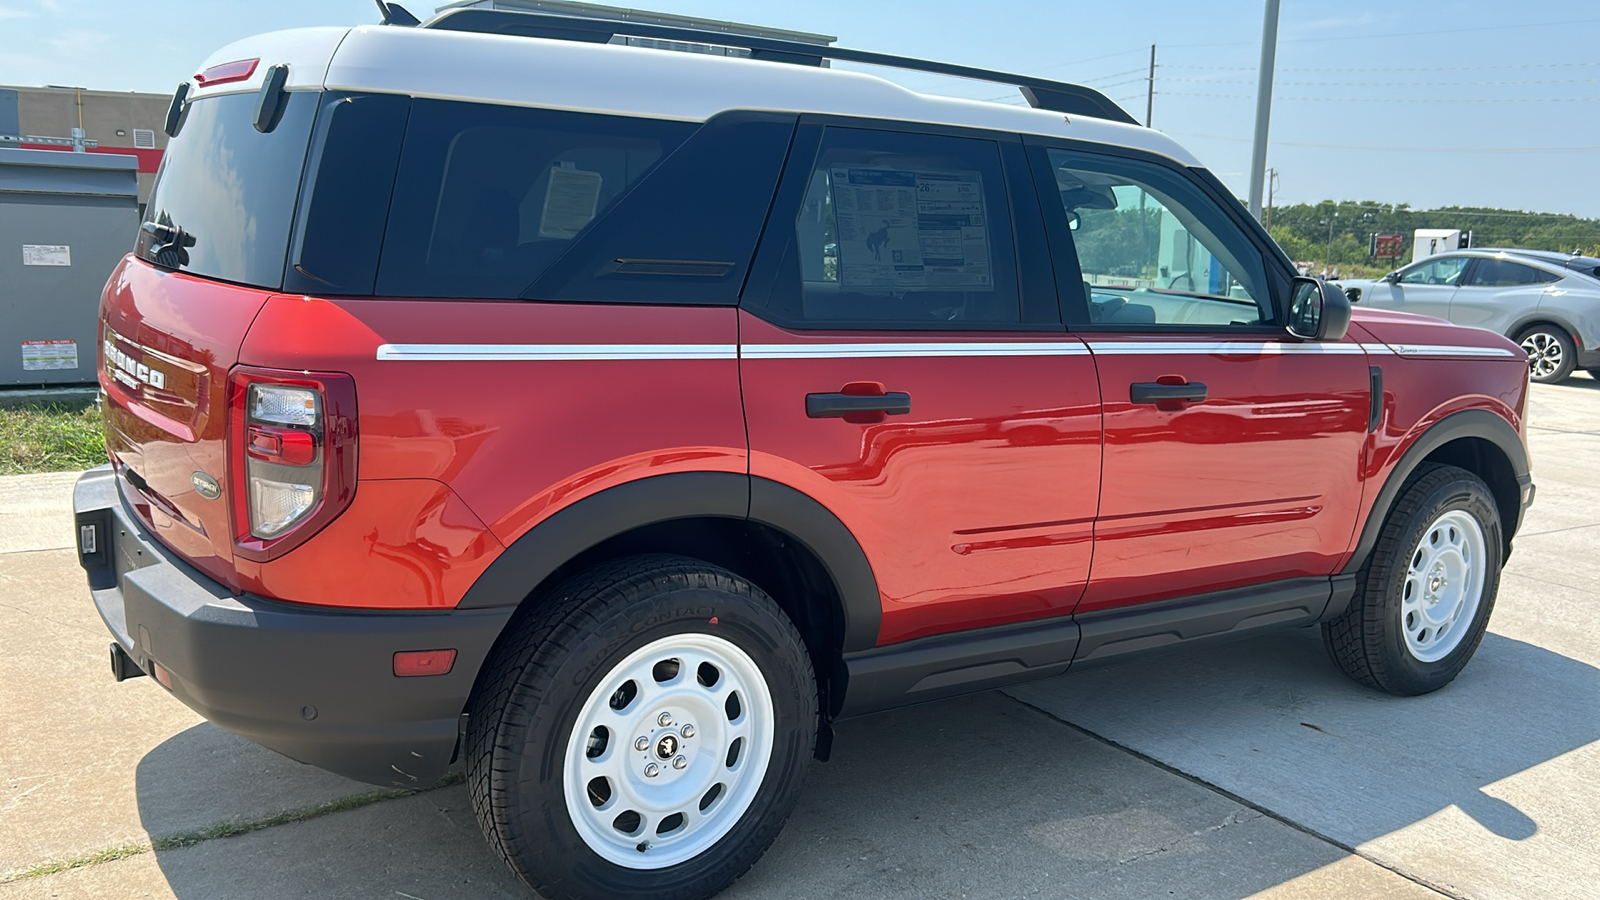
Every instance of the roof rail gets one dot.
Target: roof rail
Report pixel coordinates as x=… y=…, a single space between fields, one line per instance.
x=1055 y=96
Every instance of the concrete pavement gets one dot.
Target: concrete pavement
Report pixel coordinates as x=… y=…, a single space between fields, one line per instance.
x=1249 y=769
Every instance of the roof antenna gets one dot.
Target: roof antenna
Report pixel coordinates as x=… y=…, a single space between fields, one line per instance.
x=395 y=14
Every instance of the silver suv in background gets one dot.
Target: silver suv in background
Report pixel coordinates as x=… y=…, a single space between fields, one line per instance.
x=1547 y=302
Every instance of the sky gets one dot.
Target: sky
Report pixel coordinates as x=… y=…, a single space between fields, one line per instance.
x=1469 y=103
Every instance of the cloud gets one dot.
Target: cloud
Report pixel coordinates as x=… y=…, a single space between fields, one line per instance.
x=7 y=12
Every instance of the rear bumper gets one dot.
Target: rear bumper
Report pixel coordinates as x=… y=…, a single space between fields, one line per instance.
x=314 y=685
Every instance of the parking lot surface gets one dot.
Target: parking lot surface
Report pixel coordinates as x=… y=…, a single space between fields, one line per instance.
x=1251 y=769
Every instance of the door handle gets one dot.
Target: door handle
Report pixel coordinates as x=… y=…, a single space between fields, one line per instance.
x=1156 y=392
x=830 y=406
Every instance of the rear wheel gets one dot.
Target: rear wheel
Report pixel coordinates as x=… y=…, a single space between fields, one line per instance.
x=1551 y=354
x=644 y=732
x=1424 y=597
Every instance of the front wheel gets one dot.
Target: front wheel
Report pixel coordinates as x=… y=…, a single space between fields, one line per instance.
x=1423 y=599
x=1551 y=354
x=644 y=732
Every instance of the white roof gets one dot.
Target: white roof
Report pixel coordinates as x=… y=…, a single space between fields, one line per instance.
x=623 y=80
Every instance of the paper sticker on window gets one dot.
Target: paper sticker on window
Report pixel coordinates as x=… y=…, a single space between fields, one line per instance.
x=46 y=255
x=45 y=355
x=570 y=200
x=918 y=231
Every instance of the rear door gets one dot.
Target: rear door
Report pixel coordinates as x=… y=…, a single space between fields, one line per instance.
x=1496 y=292
x=1230 y=449
x=903 y=362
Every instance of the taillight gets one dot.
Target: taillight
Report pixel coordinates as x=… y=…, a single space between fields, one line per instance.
x=293 y=459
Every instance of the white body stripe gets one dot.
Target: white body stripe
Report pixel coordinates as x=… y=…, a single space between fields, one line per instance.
x=933 y=349
x=548 y=352
x=1220 y=348
x=1416 y=350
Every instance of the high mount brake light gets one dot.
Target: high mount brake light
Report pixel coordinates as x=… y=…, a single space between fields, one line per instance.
x=238 y=70
x=293 y=456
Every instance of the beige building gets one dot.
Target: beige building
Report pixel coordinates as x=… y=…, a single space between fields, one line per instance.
x=120 y=121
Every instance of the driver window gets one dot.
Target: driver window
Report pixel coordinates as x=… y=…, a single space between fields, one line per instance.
x=1155 y=251
x=1444 y=270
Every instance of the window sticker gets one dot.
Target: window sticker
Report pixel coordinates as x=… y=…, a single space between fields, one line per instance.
x=47 y=355
x=46 y=255
x=916 y=231
x=570 y=200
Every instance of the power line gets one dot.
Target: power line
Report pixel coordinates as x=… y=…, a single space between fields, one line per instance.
x=1390 y=83
x=1220 y=137
x=1139 y=71
x=1395 y=34
x=1388 y=69
x=1395 y=99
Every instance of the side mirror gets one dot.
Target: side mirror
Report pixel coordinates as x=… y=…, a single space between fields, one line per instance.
x=1318 y=311
x=1392 y=278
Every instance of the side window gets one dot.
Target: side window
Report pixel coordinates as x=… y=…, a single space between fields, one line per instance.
x=1444 y=270
x=486 y=197
x=901 y=230
x=1153 y=249
x=1500 y=273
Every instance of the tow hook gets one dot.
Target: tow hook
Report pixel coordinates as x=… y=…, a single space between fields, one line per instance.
x=122 y=665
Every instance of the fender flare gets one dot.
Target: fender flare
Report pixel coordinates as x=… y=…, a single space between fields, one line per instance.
x=531 y=558
x=1469 y=423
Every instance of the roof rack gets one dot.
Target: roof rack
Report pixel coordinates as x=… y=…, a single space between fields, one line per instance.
x=1056 y=96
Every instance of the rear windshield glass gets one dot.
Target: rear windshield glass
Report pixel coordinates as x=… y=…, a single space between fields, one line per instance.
x=225 y=197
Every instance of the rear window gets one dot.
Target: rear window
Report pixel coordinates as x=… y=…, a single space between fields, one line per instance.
x=224 y=199
x=487 y=197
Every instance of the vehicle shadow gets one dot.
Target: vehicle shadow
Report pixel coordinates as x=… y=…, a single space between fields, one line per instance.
x=1272 y=720
x=987 y=796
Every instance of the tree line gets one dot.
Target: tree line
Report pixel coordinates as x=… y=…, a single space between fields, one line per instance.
x=1303 y=230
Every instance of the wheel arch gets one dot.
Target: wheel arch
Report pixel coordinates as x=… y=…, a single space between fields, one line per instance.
x=1542 y=317
x=781 y=539
x=1476 y=440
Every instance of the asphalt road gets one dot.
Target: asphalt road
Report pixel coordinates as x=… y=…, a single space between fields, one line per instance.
x=1255 y=769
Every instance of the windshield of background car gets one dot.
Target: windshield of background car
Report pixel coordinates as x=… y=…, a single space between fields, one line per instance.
x=224 y=198
x=1444 y=270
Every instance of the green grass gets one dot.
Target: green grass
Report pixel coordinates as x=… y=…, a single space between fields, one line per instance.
x=50 y=437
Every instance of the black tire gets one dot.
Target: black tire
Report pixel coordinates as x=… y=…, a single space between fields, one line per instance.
x=552 y=658
x=1542 y=342
x=1368 y=642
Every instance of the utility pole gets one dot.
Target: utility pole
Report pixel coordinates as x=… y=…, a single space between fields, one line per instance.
x=1150 y=88
x=1258 y=157
x=1272 y=185
x=1327 y=261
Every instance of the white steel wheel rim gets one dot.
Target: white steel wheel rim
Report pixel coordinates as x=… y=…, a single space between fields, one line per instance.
x=707 y=745
x=1443 y=586
x=1544 y=353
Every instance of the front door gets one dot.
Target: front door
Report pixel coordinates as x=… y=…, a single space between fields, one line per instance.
x=902 y=368
x=1425 y=288
x=1231 y=449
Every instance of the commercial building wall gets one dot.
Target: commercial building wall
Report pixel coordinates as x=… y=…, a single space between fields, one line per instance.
x=123 y=122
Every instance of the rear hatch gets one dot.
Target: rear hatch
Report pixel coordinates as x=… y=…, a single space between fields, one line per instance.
x=211 y=250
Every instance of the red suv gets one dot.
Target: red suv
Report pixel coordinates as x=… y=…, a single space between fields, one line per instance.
x=616 y=419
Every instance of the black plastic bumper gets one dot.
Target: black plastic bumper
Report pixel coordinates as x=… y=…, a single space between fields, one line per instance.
x=315 y=685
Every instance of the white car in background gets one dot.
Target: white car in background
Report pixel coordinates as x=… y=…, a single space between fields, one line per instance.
x=1547 y=302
